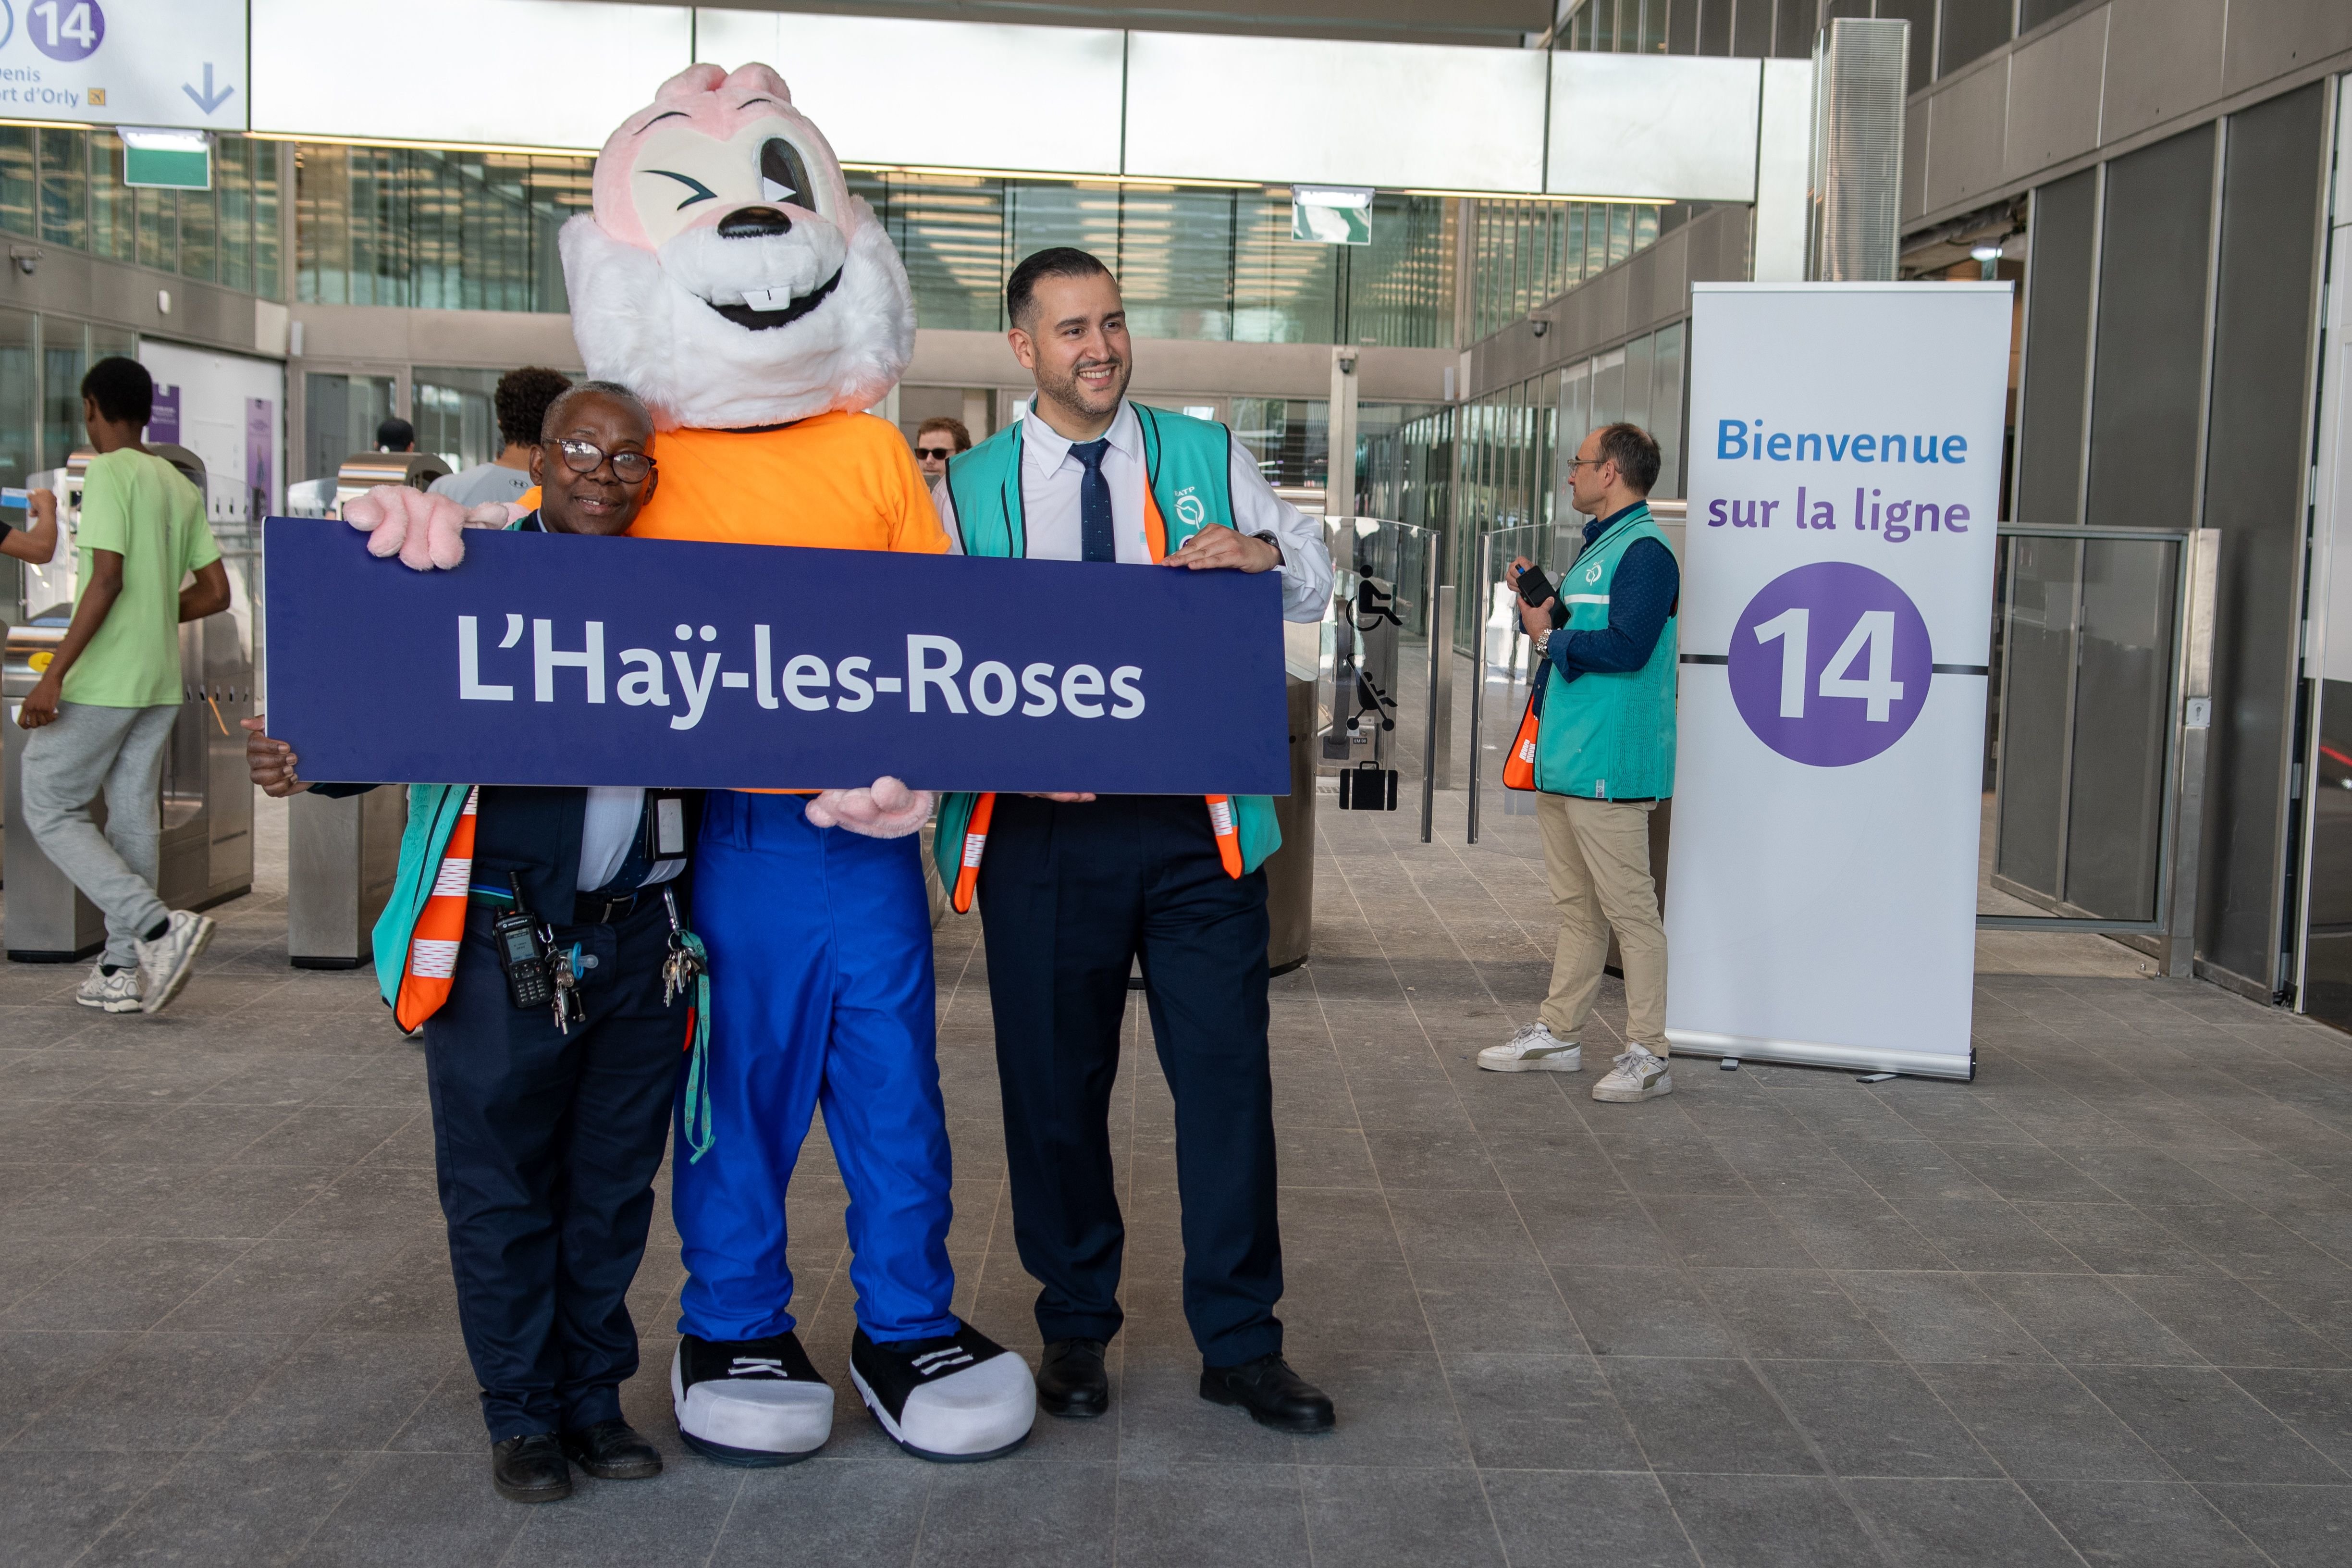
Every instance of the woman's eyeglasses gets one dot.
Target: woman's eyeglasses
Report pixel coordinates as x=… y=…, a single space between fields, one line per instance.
x=586 y=457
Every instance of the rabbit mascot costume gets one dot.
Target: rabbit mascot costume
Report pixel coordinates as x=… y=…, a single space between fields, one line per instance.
x=728 y=276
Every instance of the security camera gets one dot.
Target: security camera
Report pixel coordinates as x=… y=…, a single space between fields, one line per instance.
x=1538 y=325
x=1346 y=358
x=28 y=257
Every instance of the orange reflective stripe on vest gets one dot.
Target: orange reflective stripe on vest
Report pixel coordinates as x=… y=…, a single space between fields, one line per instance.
x=1519 y=767
x=431 y=966
x=975 y=840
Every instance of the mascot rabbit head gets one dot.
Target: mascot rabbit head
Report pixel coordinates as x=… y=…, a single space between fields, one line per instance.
x=726 y=275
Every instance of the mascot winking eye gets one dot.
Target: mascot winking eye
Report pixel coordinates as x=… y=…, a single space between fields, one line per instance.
x=729 y=277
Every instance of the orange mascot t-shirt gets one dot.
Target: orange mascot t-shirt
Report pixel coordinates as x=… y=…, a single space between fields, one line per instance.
x=835 y=481
x=832 y=481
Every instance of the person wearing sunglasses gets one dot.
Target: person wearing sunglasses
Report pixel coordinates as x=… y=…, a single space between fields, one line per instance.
x=547 y=1135
x=939 y=440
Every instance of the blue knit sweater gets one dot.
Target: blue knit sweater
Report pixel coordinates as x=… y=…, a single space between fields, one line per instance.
x=1641 y=595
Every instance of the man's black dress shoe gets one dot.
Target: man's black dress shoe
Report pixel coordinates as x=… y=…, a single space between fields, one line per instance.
x=612 y=1451
x=531 y=1470
x=1071 y=1380
x=1275 y=1395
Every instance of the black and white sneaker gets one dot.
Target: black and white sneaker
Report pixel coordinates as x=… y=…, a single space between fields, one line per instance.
x=753 y=1403
x=960 y=1396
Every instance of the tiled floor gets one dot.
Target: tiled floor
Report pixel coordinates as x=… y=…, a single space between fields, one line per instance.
x=2094 y=1307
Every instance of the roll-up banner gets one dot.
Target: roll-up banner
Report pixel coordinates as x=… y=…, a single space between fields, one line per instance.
x=1845 y=459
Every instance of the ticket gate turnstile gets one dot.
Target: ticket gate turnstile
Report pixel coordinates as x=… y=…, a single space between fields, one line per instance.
x=342 y=856
x=204 y=854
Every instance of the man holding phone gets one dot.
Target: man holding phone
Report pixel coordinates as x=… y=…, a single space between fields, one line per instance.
x=1604 y=757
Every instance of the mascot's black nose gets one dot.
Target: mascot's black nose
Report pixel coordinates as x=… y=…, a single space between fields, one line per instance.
x=751 y=223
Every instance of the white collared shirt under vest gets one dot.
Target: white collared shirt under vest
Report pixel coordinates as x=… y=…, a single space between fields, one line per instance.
x=1049 y=505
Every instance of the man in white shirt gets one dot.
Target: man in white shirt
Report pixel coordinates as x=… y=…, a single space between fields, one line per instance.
x=1073 y=890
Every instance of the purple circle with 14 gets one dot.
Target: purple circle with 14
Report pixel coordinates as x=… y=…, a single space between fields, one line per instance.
x=65 y=30
x=1830 y=664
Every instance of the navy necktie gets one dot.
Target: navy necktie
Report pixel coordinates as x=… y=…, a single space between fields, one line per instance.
x=1097 y=541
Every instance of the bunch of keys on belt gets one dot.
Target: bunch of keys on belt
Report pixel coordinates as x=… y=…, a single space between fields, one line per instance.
x=684 y=963
x=568 y=1008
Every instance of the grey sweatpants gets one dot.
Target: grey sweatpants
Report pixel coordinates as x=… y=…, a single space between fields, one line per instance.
x=67 y=764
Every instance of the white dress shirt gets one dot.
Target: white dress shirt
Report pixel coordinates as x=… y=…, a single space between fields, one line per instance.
x=608 y=831
x=1050 y=478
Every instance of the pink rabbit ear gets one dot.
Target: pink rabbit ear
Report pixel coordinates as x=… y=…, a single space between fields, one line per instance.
x=756 y=81
x=690 y=83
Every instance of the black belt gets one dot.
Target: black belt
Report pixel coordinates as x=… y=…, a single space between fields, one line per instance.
x=596 y=910
x=587 y=909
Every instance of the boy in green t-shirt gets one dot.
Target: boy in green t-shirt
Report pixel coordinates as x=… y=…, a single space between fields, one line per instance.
x=103 y=712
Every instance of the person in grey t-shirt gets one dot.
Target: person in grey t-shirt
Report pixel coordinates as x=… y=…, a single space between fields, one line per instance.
x=523 y=398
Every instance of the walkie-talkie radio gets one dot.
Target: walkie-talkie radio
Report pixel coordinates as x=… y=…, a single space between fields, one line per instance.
x=522 y=953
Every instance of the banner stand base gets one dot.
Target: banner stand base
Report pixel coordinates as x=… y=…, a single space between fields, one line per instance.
x=1807 y=1053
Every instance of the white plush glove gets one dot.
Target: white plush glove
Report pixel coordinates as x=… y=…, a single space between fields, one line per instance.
x=885 y=809
x=424 y=531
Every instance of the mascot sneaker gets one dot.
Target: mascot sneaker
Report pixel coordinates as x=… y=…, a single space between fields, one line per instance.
x=753 y=1403
x=959 y=1397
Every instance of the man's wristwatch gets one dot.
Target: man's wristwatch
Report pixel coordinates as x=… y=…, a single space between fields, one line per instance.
x=1543 y=643
x=1280 y=560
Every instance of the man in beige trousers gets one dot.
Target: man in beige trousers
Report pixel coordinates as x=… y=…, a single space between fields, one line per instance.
x=1604 y=757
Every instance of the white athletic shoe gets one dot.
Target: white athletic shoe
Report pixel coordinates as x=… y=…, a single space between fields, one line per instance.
x=115 y=993
x=1533 y=1049
x=750 y=1403
x=960 y=1396
x=1638 y=1075
x=165 y=964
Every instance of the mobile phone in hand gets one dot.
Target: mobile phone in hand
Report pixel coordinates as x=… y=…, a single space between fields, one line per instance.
x=1534 y=586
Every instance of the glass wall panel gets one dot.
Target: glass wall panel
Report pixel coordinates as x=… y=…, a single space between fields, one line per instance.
x=64 y=188
x=113 y=229
x=340 y=417
x=19 y=411
x=1666 y=411
x=456 y=415
x=20 y=180
x=2258 y=444
x=2148 y=360
x=1971 y=29
x=425 y=227
x=2053 y=412
x=1196 y=263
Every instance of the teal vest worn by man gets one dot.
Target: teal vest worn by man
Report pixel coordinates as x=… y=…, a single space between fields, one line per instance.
x=1607 y=735
x=1188 y=464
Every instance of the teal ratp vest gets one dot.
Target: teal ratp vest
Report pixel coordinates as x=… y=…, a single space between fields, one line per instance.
x=1189 y=462
x=1607 y=735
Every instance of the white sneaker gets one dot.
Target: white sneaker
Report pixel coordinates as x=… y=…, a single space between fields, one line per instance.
x=1638 y=1075
x=1533 y=1049
x=115 y=993
x=165 y=963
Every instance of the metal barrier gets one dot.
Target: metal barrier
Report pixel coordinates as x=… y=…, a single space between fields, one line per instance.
x=2102 y=707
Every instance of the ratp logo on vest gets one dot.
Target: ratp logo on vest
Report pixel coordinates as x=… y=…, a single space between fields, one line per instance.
x=1189 y=509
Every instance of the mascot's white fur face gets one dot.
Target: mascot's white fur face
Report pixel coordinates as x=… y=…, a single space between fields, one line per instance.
x=727 y=275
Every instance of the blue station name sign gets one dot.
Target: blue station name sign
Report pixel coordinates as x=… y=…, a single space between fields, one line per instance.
x=561 y=661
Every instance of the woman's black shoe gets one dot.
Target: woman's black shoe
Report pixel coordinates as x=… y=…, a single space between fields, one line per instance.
x=531 y=1470
x=612 y=1451
x=1275 y=1395
x=1071 y=1381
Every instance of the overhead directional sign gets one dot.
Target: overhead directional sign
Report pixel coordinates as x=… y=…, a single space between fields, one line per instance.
x=177 y=63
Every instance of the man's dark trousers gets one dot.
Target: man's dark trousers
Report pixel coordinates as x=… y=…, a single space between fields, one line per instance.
x=1069 y=894
x=547 y=1144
